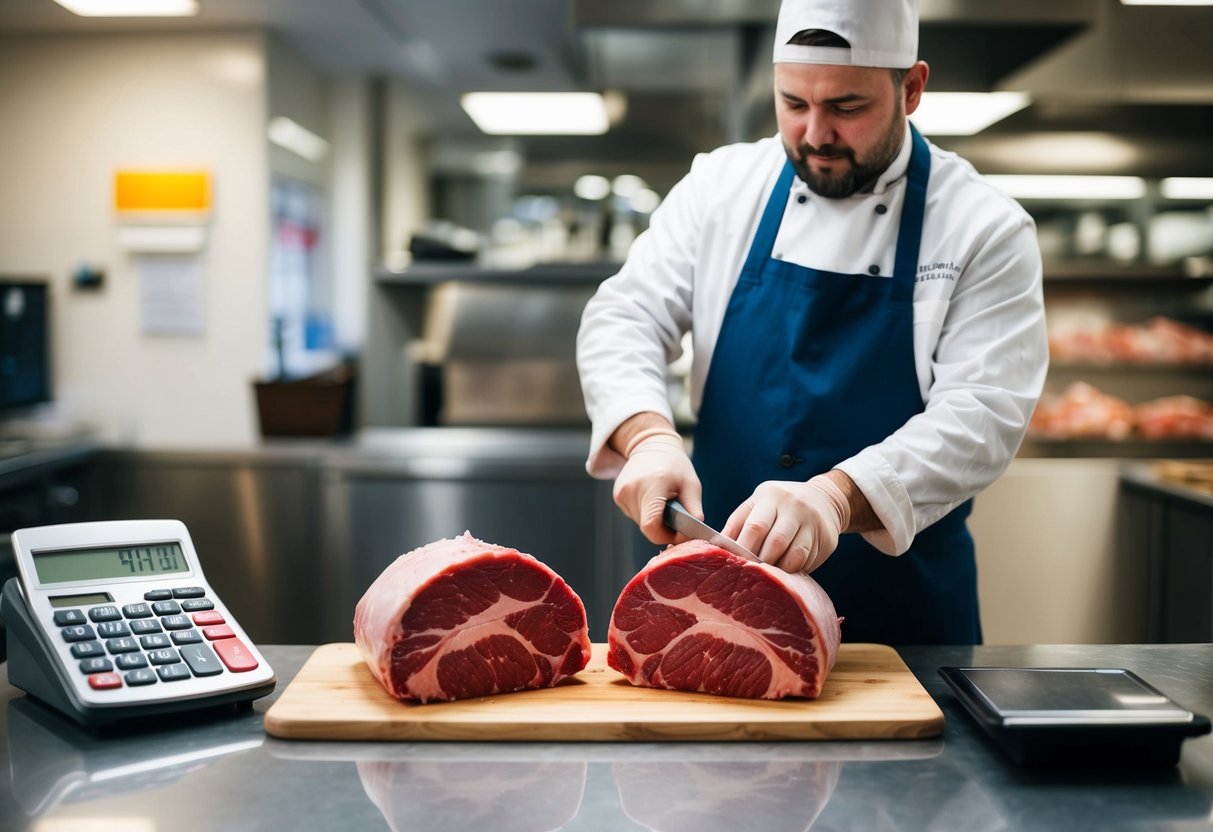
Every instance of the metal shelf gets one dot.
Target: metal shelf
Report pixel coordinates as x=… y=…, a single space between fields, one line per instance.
x=1117 y=448
x=429 y=274
x=1111 y=276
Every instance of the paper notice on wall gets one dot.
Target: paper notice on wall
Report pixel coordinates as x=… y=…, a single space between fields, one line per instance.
x=172 y=296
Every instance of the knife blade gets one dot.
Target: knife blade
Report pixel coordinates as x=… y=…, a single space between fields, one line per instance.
x=676 y=517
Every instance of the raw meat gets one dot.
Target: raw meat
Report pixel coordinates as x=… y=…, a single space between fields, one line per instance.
x=1159 y=340
x=698 y=618
x=1082 y=412
x=1175 y=417
x=463 y=618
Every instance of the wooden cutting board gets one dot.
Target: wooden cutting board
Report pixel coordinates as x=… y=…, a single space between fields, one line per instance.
x=870 y=694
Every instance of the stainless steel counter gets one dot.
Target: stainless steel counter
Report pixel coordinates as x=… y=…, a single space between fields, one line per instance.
x=1144 y=476
x=20 y=455
x=222 y=772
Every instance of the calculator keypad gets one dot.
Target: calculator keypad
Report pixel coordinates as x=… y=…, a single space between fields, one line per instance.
x=104 y=681
x=113 y=629
x=87 y=649
x=67 y=617
x=78 y=632
x=143 y=676
x=174 y=635
x=144 y=626
x=130 y=661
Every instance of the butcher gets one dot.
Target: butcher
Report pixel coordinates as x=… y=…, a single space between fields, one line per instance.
x=867 y=325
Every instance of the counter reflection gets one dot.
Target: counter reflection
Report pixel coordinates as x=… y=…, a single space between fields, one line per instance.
x=773 y=795
x=53 y=762
x=898 y=786
x=521 y=796
x=657 y=786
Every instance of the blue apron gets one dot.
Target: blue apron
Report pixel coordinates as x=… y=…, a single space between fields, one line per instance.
x=811 y=367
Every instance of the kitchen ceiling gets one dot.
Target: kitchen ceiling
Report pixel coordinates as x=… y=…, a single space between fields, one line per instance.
x=1136 y=81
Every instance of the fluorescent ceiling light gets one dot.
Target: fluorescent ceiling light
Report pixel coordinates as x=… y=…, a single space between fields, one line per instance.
x=1166 y=2
x=537 y=113
x=1070 y=187
x=298 y=139
x=1065 y=152
x=965 y=113
x=131 y=8
x=592 y=187
x=627 y=185
x=645 y=201
x=1187 y=187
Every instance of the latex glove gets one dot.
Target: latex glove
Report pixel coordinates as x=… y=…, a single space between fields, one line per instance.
x=657 y=469
x=793 y=525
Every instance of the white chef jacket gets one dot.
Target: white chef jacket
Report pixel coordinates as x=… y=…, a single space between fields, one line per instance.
x=980 y=348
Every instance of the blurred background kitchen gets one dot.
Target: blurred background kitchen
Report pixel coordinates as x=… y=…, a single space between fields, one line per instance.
x=286 y=270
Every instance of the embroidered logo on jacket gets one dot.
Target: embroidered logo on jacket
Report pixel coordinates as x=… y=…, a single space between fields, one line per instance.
x=944 y=270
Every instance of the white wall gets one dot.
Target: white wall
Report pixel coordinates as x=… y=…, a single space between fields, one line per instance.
x=406 y=206
x=74 y=110
x=352 y=211
x=1050 y=567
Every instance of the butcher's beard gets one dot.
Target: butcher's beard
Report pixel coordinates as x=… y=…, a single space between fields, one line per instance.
x=855 y=177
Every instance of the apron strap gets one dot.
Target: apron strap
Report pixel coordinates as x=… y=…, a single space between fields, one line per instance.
x=768 y=226
x=909 y=232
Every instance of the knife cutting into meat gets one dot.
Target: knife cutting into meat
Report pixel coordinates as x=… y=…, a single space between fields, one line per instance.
x=677 y=518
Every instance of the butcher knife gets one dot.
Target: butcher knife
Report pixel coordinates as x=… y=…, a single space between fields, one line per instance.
x=676 y=517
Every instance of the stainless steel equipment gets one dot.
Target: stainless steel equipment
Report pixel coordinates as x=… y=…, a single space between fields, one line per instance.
x=504 y=354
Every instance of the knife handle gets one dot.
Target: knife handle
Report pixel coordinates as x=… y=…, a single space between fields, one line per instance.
x=672 y=507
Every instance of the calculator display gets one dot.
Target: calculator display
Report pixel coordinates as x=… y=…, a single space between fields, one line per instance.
x=90 y=600
x=63 y=566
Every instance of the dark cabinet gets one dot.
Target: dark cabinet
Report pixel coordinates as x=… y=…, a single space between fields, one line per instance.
x=1172 y=527
x=42 y=484
x=1185 y=609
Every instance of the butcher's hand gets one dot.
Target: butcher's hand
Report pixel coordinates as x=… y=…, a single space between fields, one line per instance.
x=657 y=470
x=793 y=525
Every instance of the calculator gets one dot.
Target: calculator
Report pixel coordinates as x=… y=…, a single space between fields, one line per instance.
x=112 y=621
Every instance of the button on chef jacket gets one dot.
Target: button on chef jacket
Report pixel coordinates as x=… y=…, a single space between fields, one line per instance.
x=980 y=348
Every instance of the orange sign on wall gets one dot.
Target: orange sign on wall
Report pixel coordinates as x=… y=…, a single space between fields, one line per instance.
x=158 y=191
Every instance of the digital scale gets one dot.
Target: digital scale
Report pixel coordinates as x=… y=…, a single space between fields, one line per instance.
x=112 y=621
x=1106 y=716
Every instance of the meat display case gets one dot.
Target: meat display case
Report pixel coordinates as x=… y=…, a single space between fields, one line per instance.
x=1091 y=294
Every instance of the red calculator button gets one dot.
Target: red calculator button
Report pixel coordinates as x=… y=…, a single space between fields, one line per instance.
x=202 y=619
x=104 y=681
x=235 y=655
x=217 y=632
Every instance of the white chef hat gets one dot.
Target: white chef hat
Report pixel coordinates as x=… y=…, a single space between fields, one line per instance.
x=882 y=33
